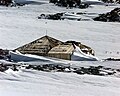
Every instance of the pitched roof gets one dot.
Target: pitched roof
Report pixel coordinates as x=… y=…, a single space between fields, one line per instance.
x=63 y=51
x=40 y=46
x=48 y=46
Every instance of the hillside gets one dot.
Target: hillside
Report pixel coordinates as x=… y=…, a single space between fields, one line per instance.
x=20 y=25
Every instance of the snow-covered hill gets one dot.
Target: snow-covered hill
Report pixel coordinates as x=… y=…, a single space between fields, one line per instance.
x=29 y=83
x=20 y=25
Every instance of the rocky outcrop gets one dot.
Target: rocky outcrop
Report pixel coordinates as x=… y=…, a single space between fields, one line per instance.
x=3 y=67
x=112 y=59
x=111 y=1
x=56 y=16
x=91 y=70
x=70 y=3
x=3 y=54
x=5 y=2
x=66 y=3
x=113 y=16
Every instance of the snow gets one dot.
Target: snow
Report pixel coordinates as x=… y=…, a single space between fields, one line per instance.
x=19 y=25
x=27 y=57
x=94 y=2
x=29 y=82
x=78 y=55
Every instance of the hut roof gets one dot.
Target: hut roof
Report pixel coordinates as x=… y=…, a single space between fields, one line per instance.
x=62 y=49
x=40 y=46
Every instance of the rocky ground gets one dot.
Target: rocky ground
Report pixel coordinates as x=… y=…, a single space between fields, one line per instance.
x=91 y=70
x=113 y=16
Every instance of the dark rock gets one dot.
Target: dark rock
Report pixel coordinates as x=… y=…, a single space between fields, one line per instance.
x=118 y=70
x=79 y=71
x=14 y=67
x=29 y=67
x=56 y=16
x=3 y=68
x=1 y=57
x=111 y=1
x=112 y=59
x=83 y=6
x=113 y=16
x=94 y=70
x=5 y=2
x=66 y=3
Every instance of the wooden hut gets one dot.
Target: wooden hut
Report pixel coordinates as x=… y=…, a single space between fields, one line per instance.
x=40 y=46
x=51 y=47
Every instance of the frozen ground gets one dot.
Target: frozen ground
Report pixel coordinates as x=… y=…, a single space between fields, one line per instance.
x=29 y=83
x=19 y=25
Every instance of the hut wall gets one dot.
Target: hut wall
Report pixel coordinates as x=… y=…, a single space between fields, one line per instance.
x=66 y=56
x=61 y=52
